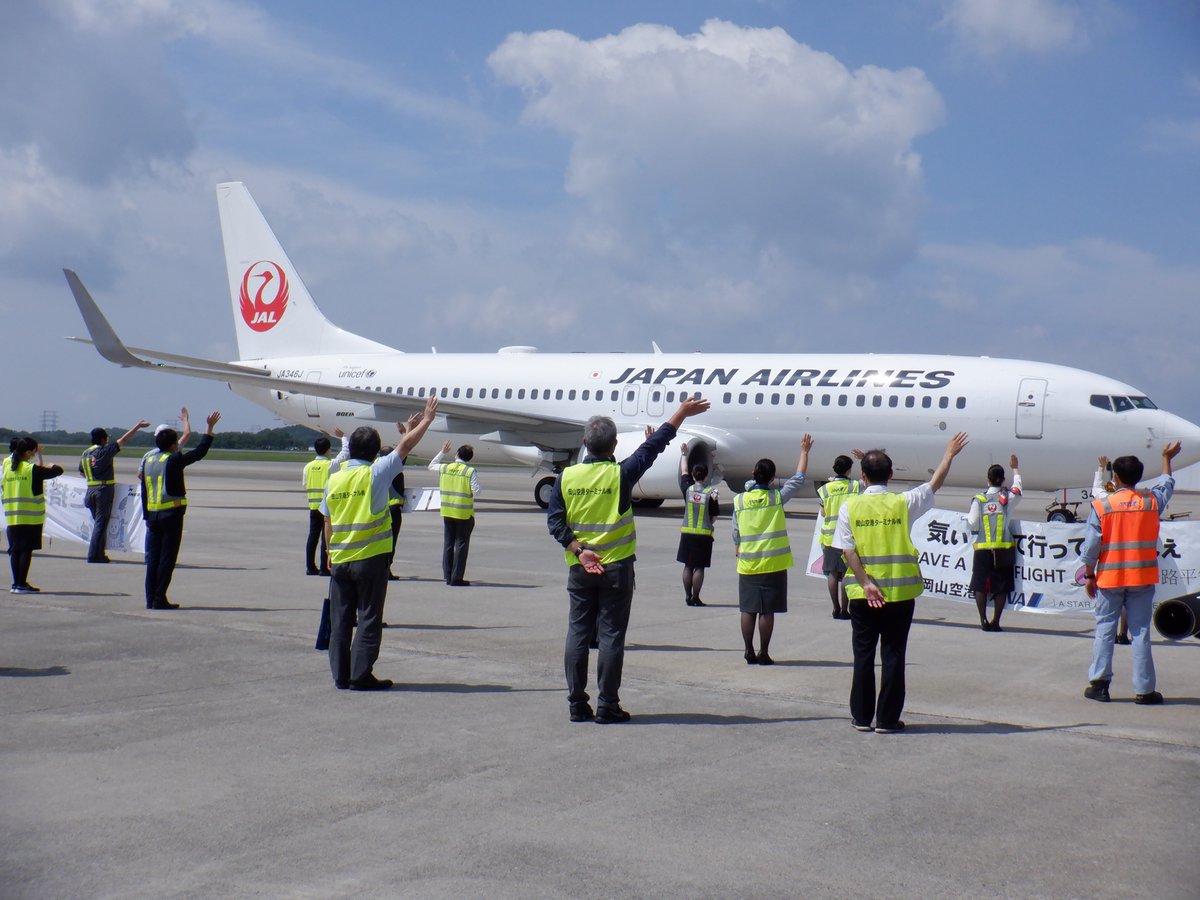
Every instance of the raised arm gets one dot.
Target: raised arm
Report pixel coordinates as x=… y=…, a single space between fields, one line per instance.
x=693 y=406
x=1170 y=451
x=185 y=423
x=131 y=432
x=416 y=430
x=806 y=443
x=953 y=447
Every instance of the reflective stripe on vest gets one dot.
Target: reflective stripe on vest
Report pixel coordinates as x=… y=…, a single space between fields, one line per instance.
x=21 y=507
x=1128 y=539
x=316 y=476
x=879 y=523
x=592 y=496
x=154 y=484
x=833 y=494
x=696 y=518
x=993 y=522
x=762 y=541
x=355 y=531
x=86 y=462
x=455 y=483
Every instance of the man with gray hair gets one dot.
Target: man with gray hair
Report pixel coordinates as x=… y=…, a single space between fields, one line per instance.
x=591 y=516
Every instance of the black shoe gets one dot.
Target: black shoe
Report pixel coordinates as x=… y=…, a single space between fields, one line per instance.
x=165 y=604
x=581 y=712
x=311 y=572
x=696 y=601
x=764 y=660
x=1123 y=639
x=837 y=613
x=392 y=577
x=985 y=626
x=1154 y=698
x=371 y=683
x=324 y=572
x=894 y=728
x=996 y=627
x=751 y=658
x=611 y=715
x=1097 y=690
x=341 y=684
x=462 y=582
x=30 y=589
x=859 y=726
x=104 y=560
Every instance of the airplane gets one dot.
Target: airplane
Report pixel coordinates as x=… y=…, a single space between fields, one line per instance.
x=518 y=406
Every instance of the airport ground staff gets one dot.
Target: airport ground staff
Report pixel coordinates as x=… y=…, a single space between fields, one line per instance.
x=701 y=505
x=832 y=495
x=24 y=508
x=164 y=503
x=883 y=581
x=591 y=516
x=1120 y=558
x=1102 y=486
x=459 y=486
x=96 y=466
x=994 y=564
x=396 y=501
x=358 y=530
x=314 y=477
x=760 y=540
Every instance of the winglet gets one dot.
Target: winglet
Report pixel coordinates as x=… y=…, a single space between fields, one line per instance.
x=103 y=336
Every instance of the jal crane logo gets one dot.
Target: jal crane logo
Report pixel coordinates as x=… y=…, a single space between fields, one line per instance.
x=264 y=295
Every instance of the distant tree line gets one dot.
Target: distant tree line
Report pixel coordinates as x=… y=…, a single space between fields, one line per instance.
x=293 y=437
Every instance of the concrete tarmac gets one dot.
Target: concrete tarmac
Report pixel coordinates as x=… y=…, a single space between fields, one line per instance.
x=204 y=752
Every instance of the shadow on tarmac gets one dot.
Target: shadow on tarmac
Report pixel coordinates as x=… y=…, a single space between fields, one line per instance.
x=10 y=672
x=416 y=627
x=678 y=647
x=455 y=688
x=46 y=593
x=713 y=719
x=989 y=727
x=815 y=663
x=1008 y=629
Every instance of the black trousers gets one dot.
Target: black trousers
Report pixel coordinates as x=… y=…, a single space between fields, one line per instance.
x=99 y=502
x=397 y=521
x=600 y=606
x=163 y=538
x=456 y=541
x=886 y=626
x=316 y=535
x=356 y=592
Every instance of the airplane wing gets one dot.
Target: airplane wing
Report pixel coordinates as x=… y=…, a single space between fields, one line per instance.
x=492 y=424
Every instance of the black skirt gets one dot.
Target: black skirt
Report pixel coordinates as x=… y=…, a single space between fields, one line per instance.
x=24 y=538
x=993 y=571
x=763 y=594
x=695 y=550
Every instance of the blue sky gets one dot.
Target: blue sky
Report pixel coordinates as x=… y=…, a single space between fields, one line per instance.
x=991 y=177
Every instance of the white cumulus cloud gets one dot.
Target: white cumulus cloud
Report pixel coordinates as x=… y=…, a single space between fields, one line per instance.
x=995 y=27
x=732 y=137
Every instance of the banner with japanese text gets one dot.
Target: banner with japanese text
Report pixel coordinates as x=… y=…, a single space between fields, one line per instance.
x=1049 y=574
x=69 y=520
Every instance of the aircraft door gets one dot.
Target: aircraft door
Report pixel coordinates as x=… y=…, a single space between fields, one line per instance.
x=310 y=401
x=654 y=402
x=630 y=397
x=1031 y=401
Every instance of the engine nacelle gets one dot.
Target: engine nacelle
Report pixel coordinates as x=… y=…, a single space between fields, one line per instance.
x=661 y=480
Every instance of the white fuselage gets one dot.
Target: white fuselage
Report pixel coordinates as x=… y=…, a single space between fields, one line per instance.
x=761 y=405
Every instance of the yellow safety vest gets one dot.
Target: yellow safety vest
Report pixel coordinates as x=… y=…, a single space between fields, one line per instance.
x=592 y=497
x=154 y=484
x=86 y=461
x=993 y=522
x=833 y=494
x=355 y=531
x=316 y=476
x=21 y=507
x=696 y=518
x=879 y=523
x=762 y=541
x=455 y=484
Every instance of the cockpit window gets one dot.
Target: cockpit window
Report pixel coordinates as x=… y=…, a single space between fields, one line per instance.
x=1121 y=404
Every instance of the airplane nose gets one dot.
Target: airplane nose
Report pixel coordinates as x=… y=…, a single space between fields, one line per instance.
x=1177 y=428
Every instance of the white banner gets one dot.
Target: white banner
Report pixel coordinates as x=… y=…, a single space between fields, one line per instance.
x=67 y=518
x=1049 y=576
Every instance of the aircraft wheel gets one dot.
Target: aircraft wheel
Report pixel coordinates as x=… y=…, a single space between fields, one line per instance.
x=541 y=493
x=1060 y=514
x=647 y=503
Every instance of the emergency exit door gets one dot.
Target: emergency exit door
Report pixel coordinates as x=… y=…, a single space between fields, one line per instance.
x=1031 y=402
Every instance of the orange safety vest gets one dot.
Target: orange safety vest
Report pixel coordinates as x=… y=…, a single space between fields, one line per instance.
x=1128 y=539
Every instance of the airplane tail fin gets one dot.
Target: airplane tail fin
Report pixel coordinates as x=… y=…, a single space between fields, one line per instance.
x=273 y=313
